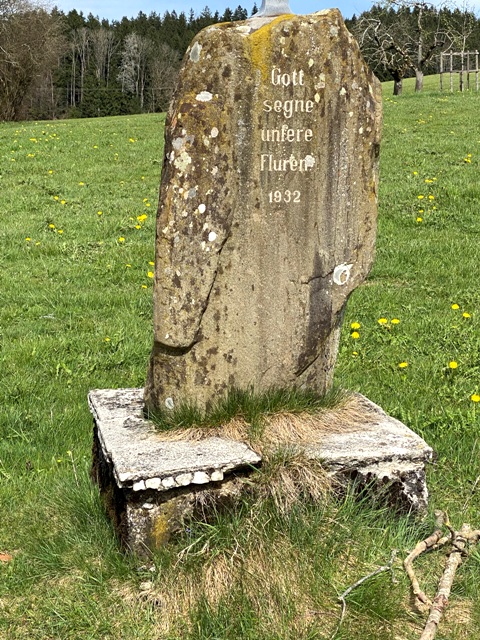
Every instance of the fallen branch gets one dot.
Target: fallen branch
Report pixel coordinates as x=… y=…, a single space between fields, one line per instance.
x=459 y=542
x=341 y=597
x=434 y=541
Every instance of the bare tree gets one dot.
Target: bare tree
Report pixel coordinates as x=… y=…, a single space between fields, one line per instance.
x=402 y=36
x=103 y=47
x=133 y=68
x=30 y=46
x=164 y=67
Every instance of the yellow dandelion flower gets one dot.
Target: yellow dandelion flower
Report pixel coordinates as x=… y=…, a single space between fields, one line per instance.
x=143 y=178
x=138 y=226
x=147 y=204
x=28 y=239
x=382 y=321
x=99 y=213
x=153 y=264
x=128 y=265
x=403 y=365
x=475 y=397
x=415 y=173
x=56 y=197
x=142 y=217
x=455 y=306
x=131 y=139
x=355 y=335
x=150 y=274
x=419 y=219
x=465 y=314
x=63 y=202
x=430 y=197
x=60 y=231
x=395 y=321
x=428 y=181
x=420 y=197
x=452 y=364
x=421 y=211
x=50 y=172
x=82 y=184
x=121 y=239
x=145 y=200
x=37 y=243
x=355 y=325
x=354 y=353
x=144 y=286
x=107 y=339
x=51 y=226
x=95 y=146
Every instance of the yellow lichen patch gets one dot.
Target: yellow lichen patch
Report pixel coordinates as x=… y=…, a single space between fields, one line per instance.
x=260 y=42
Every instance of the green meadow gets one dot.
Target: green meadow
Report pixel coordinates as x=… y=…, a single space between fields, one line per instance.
x=78 y=201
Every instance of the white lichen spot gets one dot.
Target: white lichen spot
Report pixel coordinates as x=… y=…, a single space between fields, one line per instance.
x=195 y=52
x=206 y=142
x=343 y=91
x=212 y=236
x=192 y=192
x=181 y=190
x=183 y=160
x=178 y=143
x=169 y=403
x=203 y=245
x=309 y=161
x=350 y=114
x=202 y=208
x=203 y=96
x=333 y=30
x=341 y=274
x=214 y=171
x=360 y=131
x=316 y=97
x=320 y=84
x=214 y=132
x=205 y=226
x=310 y=62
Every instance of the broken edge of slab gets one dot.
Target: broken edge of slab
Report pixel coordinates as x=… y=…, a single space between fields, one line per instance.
x=151 y=484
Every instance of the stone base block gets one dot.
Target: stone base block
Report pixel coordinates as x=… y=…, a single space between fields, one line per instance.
x=150 y=484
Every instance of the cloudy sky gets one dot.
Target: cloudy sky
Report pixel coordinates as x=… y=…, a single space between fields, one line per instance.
x=116 y=9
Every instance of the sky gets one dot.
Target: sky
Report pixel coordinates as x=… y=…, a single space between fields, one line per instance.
x=116 y=9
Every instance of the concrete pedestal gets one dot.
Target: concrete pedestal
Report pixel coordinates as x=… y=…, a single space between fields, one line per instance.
x=150 y=484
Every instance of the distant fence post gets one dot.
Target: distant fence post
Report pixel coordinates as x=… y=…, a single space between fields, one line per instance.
x=463 y=70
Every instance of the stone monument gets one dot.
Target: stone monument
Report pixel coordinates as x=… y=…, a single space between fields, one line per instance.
x=268 y=207
x=266 y=224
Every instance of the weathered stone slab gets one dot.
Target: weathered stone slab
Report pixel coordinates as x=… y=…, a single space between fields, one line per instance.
x=149 y=491
x=141 y=459
x=267 y=213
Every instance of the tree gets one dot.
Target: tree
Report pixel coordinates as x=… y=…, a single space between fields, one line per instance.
x=398 y=36
x=30 y=46
x=133 y=68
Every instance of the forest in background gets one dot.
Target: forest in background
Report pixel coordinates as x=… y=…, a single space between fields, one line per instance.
x=63 y=65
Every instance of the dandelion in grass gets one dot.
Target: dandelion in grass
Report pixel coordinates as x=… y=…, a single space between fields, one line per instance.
x=403 y=365
x=142 y=218
x=138 y=226
x=419 y=219
x=415 y=173
x=355 y=335
x=99 y=213
x=453 y=364
x=382 y=321
x=82 y=184
x=475 y=397
x=395 y=321
x=151 y=263
x=121 y=240
x=355 y=326
x=355 y=353
x=63 y=202
x=420 y=197
x=56 y=197
x=60 y=231
x=150 y=274
x=128 y=265
x=107 y=339
x=430 y=197
x=144 y=286
x=50 y=172
x=455 y=306
x=51 y=226
x=465 y=314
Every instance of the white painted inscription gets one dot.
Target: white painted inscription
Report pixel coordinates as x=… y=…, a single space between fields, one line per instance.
x=287 y=133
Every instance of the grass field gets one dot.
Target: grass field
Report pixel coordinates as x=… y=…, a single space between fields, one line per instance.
x=78 y=200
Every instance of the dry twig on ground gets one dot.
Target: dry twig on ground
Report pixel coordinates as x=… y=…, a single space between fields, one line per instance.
x=460 y=540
